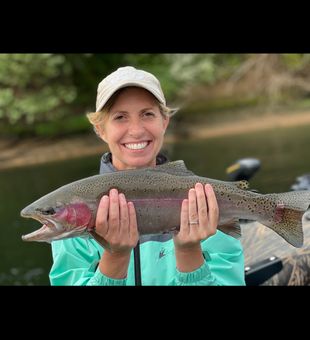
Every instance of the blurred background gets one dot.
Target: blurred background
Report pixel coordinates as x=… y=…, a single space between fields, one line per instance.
x=232 y=106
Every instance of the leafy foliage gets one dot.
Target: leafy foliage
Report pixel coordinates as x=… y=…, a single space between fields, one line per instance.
x=34 y=87
x=39 y=93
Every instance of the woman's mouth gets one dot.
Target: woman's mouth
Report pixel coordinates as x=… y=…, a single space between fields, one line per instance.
x=137 y=146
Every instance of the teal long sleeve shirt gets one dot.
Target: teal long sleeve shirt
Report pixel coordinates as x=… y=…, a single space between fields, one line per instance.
x=76 y=263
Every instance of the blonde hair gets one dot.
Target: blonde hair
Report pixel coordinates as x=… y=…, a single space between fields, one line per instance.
x=96 y=118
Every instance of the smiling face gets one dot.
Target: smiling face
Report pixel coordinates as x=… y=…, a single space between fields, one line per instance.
x=134 y=129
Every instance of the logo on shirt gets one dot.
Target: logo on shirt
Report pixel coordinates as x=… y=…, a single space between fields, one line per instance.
x=162 y=253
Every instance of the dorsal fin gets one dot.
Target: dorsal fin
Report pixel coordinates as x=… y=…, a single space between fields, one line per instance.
x=177 y=168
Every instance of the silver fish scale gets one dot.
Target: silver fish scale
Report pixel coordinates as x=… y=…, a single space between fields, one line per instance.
x=142 y=184
x=148 y=183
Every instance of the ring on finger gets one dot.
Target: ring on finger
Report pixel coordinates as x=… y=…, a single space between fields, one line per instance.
x=193 y=222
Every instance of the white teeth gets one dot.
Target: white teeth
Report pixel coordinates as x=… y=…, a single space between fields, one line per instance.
x=136 y=146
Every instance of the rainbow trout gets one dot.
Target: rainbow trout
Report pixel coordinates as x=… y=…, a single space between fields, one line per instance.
x=157 y=194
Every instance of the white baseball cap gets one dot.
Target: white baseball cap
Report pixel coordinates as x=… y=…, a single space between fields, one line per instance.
x=127 y=76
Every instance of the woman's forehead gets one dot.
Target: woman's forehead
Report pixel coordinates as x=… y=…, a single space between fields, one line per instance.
x=133 y=93
x=134 y=102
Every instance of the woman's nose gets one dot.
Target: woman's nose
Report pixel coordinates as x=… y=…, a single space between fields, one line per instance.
x=136 y=129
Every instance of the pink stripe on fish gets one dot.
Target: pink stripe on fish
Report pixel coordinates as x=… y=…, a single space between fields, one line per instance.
x=159 y=202
x=279 y=211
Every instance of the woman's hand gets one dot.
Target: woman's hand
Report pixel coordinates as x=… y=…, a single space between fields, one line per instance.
x=116 y=222
x=199 y=220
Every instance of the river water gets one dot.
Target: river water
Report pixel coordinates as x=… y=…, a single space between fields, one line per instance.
x=283 y=154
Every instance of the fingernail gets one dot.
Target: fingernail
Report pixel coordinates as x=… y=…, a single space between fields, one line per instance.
x=113 y=192
x=199 y=185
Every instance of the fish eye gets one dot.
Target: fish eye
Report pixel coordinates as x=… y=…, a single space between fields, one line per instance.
x=47 y=211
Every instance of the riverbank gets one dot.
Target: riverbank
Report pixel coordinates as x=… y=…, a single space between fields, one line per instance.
x=26 y=152
x=32 y=151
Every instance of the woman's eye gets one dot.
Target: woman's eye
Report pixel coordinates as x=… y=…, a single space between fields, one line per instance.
x=149 y=114
x=118 y=117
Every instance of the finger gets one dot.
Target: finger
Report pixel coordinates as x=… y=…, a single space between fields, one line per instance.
x=192 y=209
x=124 y=217
x=133 y=225
x=114 y=212
x=201 y=205
x=102 y=216
x=213 y=210
x=184 y=226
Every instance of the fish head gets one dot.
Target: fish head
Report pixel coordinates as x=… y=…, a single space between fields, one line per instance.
x=62 y=216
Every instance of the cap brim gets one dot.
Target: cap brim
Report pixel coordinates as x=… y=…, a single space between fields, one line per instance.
x=106 y=96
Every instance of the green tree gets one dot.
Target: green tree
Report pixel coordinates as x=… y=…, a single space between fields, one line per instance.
x=34 y=86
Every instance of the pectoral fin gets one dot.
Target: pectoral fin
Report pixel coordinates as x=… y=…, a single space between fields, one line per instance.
x=100 y=239
x=232 y=228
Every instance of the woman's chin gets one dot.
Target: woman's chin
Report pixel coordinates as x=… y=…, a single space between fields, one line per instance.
x=141 y=163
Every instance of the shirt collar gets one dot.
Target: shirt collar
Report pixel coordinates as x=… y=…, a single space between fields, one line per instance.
x=106 y=165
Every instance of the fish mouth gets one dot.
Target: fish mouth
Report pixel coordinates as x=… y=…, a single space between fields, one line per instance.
x=49 y=231
x=53 y=231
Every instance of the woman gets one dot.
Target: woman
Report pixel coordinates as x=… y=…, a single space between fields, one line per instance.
x=132 y=117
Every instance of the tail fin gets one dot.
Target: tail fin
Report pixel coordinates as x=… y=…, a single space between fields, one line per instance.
x=286 y=216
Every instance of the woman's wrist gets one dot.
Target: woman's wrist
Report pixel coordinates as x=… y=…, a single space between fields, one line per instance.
x=114 y=265
x=189 y=259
